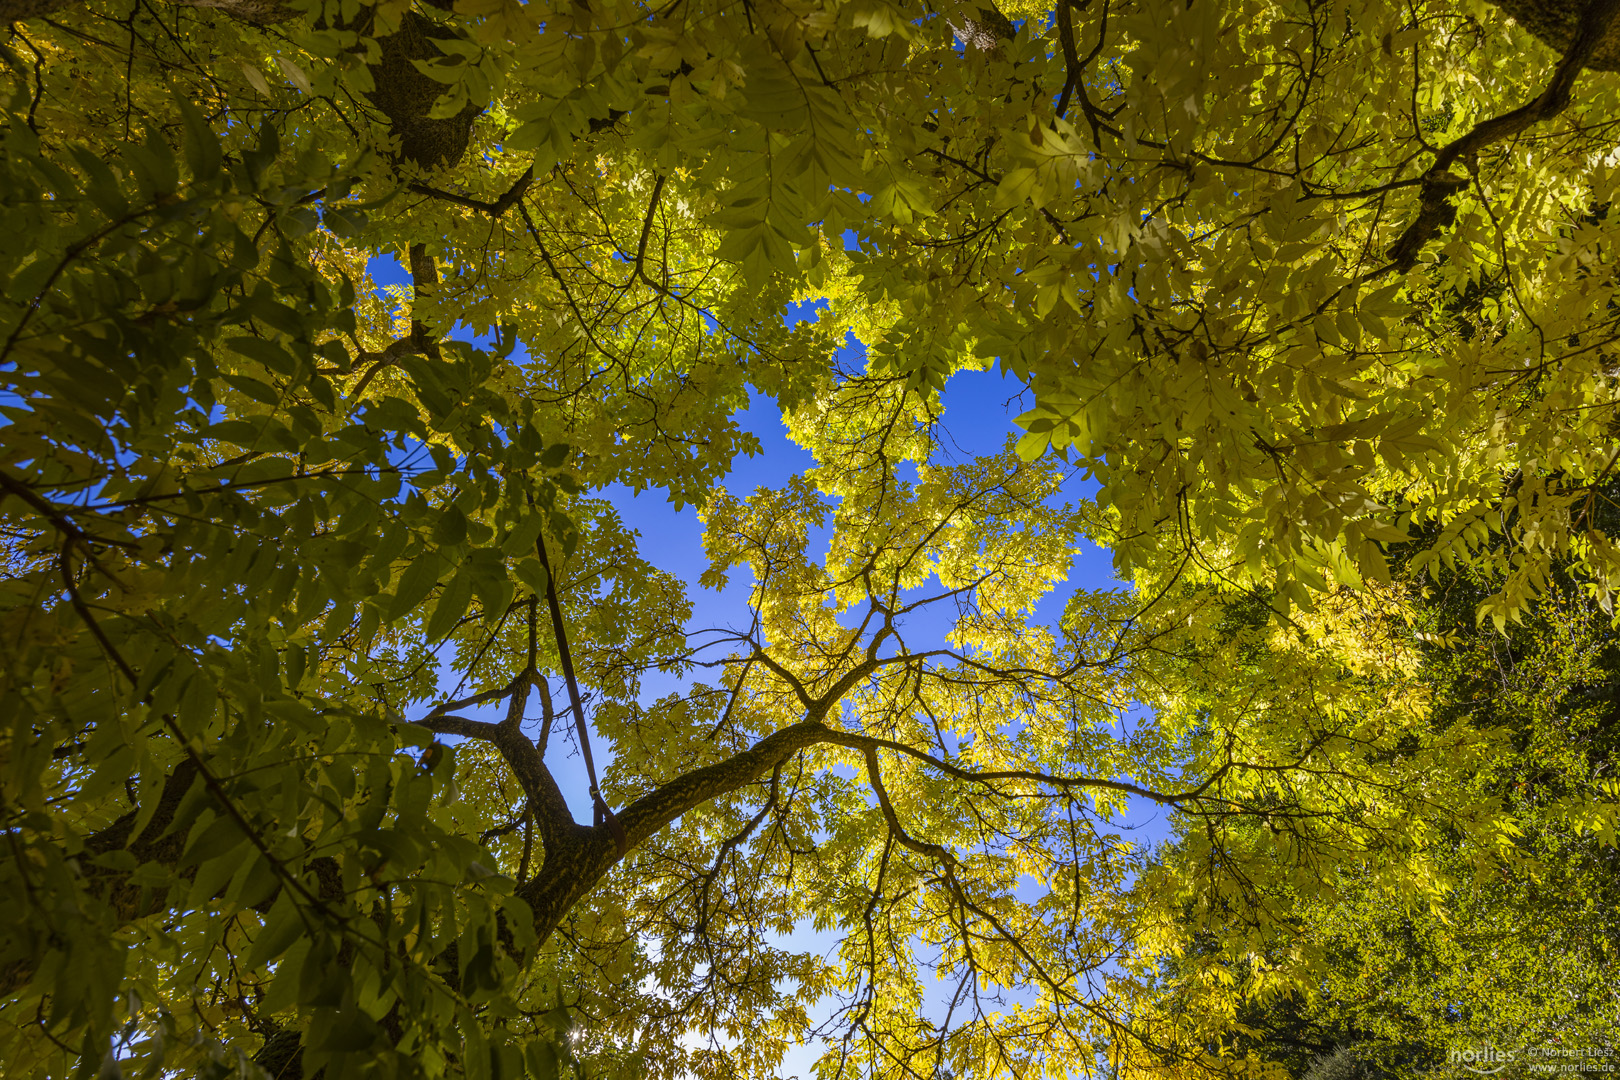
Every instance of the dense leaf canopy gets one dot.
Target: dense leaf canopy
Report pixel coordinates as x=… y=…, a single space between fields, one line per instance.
x=311 y=592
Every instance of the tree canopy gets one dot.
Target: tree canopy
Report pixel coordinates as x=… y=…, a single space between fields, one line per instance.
x=310 y=585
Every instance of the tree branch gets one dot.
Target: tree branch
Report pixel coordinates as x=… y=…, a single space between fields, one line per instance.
x=493 y=208
x=982 y=26
x=1071 y=59
x=556 y=822
x=897 y=830
x=646 y=231
x=566 y=659
x=1440 y=184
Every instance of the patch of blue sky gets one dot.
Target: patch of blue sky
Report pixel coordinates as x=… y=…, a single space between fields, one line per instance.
x=387 y=270
x=805 y=311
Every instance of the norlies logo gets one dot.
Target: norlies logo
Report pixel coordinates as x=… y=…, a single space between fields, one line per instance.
x=1487 y=1061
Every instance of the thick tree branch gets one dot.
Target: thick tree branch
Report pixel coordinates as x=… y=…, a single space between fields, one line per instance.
x=459 y=726
x=932 y=851
x=493 y=208
x=1071 y=57
x=1440 y=184
x=639 y=271
x=424 y=276
x=576 y=868
x=477 y=699
x=981 y=26
x=555 y=821
x=584 y=855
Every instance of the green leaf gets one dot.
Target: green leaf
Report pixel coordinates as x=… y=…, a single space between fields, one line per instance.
x=452 y=605
x=415 y=583
x=543 y=1061
x=266 y=352
x=532 y=573
x=282 y=927
x=261 y=392
x=203 y=155
x=343 y=1031
x=222 y=834
x=451 y=528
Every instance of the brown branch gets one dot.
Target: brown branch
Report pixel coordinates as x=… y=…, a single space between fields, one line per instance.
x=897 y=830
x=549 y=715
x=501 y=830
x=71 y=252
x=257 y=12
x=646 y=231
x=1071 y=60
x=867 y=743
x=787 y=676
x=246 y=485
x=420 y=342
x=730 y=844
x=65 y=561
x=477 y=699
x=585 y=324
x=1440 y=184
x=494 y=208
x=1095 y=117
x=424 y=277
x=581 y=856
x=985 y=29
x=651 y=812
x=459 y=725
x=574 y=867
x=18 y=10
x=58 y=518
x=558 y=828
x=405 y=346
x=212 y=782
